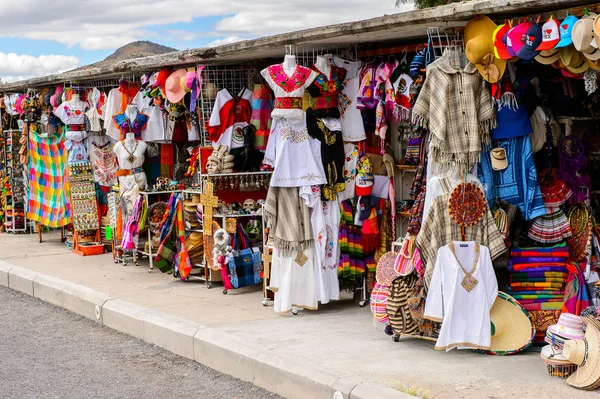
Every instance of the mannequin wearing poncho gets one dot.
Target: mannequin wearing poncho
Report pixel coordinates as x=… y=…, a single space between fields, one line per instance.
x=456 y=106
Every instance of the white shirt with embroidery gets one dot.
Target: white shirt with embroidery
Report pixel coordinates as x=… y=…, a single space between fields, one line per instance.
x=465 y=315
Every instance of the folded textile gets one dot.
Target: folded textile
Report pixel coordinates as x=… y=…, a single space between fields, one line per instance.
x=538 y=259
x=544 y=285
x=528 y=274
x=543 y=306
x=537 y=292
x=533 y=265
x=538 y=279
x=559 y=250
x=540 y=300
x=521 y=268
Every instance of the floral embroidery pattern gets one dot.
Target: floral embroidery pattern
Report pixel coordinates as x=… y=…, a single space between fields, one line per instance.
x=331 y=86
x=289 y=84
x=344 y=103
x=326 y=102
x=296 y=137
x=288 y=103
x=72 y=112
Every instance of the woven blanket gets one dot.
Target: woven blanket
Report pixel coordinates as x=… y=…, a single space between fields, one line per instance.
x=559 y=250
x=543 y=306
x=526 y=268
x=536 y=292
x=542 y=285
x=49 y=189
x=538 y=279
x=540 y=300
x=538 y=259
x=289 y=220
x=528 y=274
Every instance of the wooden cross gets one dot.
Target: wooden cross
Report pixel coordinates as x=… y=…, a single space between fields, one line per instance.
x=208 y=201
x=267 y=258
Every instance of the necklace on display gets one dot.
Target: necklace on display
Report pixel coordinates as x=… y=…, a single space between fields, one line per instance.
x=131 y=158
x=468 y=282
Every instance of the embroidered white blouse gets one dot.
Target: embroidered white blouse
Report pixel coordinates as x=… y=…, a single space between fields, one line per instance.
x=465 y=315
x=295 y=156
x=288 y=90
x=353 y=128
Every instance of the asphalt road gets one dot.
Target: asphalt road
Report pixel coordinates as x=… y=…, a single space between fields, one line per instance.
x=47 y=352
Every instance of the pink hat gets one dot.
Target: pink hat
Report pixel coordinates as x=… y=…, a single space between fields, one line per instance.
x=19 y=104
x=173 y=89
x=56 y=98
x=518 y=34
x=568 y=326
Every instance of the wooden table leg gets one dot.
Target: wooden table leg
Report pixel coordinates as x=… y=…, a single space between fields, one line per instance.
x=39 y=231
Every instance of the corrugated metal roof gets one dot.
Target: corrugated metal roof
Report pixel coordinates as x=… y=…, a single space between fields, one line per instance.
x=407 y=26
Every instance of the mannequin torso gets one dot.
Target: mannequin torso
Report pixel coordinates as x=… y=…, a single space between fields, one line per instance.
x=323 y=65
x=289 y=64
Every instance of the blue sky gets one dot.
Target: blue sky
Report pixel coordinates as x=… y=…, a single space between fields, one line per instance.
x=39 y=37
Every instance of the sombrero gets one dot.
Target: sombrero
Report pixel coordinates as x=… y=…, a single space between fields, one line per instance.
x=585 y=353
x=512 y=329
x=480 y=50
x=547 y=57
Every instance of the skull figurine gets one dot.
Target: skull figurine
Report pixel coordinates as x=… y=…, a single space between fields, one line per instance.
x=249 y=205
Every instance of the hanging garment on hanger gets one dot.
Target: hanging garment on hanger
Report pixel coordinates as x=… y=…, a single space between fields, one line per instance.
x=230 y=115
x=288 y=90
x=353 y=128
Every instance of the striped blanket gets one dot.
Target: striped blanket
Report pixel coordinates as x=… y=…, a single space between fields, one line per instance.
x=48 y=202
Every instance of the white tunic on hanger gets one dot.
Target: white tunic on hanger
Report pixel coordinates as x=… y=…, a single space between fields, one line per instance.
x=156 y=128
x=353 y=128
x=465 y=315
x=295 y=156
x=325 y=219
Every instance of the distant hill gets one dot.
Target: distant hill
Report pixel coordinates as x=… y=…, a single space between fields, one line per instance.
x=137 y=50
x=141 y=48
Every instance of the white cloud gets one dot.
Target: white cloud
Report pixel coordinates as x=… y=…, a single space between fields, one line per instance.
x=113 y=23
x=225 y=40
x=19 y=66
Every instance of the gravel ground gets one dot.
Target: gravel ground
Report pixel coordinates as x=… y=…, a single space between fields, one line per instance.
x=47 y=352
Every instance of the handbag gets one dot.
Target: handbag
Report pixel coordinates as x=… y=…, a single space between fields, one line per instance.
x=246 y=265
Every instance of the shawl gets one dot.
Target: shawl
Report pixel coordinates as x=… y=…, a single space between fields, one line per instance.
x=182 y=259
x=577 y=296
x=370 y=233
x=165 y=255
x=351 y=265
x=294 y=233
x=456 y=106
x=131 y=227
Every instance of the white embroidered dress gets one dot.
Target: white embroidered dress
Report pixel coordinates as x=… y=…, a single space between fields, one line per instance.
x=288 y=90
x=465 y=314
x=325 y=219
x=294 y=155
x=353 y=128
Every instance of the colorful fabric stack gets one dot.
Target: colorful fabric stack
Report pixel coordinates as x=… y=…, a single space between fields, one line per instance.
x=537 y=280
x=352 y=260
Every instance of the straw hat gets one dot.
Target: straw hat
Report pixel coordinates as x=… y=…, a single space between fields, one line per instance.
x=585 y=353
x=594 y=64
x=553 y=357
x=193 y=240
x=480 y=48
x=573 y=60
x=569 y=326
x=547 y=57
x=512 y=329
x=583 y=37
x=190 y=205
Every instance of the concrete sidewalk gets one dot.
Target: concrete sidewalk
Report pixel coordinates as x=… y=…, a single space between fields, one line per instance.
x=311 y=355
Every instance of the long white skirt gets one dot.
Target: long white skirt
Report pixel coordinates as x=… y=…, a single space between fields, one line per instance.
x=294 y=285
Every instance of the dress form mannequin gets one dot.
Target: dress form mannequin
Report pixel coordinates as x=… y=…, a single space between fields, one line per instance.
x=289 y=64
x=323 y=65
x=130 y=156
x=76 y=102
x=131 y=113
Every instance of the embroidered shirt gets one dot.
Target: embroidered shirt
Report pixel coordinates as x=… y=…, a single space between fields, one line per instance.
x=457 y=107
x=325 y=90
x=289 y=139
x=126 y=125
x=288 y=90
x=465 y=314
x=439 y=230
x=353 y=128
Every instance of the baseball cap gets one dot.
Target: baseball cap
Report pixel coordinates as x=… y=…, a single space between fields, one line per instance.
x=550 y=35
x=566 y=28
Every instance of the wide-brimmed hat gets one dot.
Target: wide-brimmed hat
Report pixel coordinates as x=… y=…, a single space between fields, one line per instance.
x=566 y=28
x=161 y=79
x=583 y=37
x=569 y=326
x=594 y=64
x=194 y=240
x=572 y=60
x=547 y=57
x=173 y=88
x=550 y=35
x=480 y=48
x=512 y=329
x=499 y=160
x=551 y=356
x=585 y=353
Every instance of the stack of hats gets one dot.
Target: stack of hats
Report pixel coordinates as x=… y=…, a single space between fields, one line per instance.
x=568 y=327
x=553 y=227
x=194 y=244
x=537 y=280
x=585 y=354
x=190 y=208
